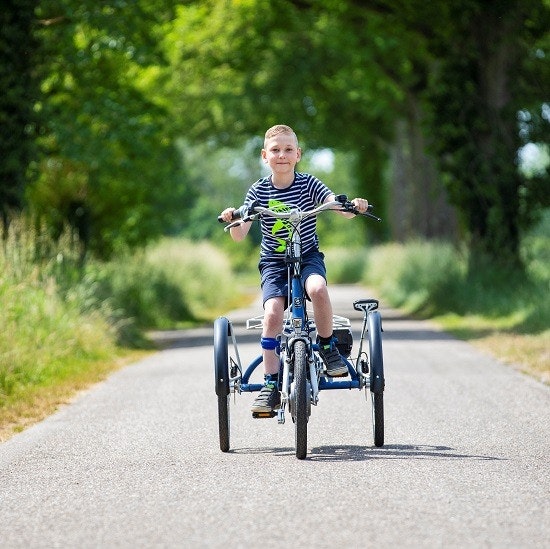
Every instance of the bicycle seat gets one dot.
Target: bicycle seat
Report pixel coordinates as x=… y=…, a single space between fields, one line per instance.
x=365 y=305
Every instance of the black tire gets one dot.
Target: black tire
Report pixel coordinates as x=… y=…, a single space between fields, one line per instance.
x=221 y=368
x=223 y=422
x=376 y=358
x=300 y=399
x=378 y=418
x=377 y=382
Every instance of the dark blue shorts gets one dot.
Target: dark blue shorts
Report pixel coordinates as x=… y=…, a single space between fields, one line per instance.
x=274 y=273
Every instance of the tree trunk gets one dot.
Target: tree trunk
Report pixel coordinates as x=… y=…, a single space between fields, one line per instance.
x=419 y=205
x=19 y=93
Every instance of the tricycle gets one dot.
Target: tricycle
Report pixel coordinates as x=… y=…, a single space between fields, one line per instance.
x=302 y=374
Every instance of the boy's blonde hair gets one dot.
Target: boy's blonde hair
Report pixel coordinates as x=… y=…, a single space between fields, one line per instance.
x=278 y=130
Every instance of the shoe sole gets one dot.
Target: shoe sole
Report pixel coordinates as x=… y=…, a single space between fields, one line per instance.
x=338 y=373
x=264 y=410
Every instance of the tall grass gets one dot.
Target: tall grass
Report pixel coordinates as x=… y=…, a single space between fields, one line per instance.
x=201 y=271
x=60 y=317
x=505 y=312
x=433 y=279
x=44 y=333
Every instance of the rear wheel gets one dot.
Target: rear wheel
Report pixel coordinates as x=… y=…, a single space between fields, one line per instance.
x=221 y=368
x=378 y=418
x=300 y=399
x=377 y=382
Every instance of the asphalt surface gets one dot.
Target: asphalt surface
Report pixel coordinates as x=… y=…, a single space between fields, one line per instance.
x=135 y=461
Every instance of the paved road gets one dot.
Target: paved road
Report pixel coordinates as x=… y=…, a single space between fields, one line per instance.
x=134 y=462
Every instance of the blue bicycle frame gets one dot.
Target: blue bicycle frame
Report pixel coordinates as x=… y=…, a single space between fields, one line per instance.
x=297 y=326
x=301 y=370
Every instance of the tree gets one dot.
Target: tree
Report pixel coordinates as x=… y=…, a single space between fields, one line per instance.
x=19 y=91
x=240 y=67
x=109 y=166
x=486 y=73
x=345 y=71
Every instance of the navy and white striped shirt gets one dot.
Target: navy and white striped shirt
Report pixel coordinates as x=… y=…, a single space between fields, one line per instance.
x=305 y=193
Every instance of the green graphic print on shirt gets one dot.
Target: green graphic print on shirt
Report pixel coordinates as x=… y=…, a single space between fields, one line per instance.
x=280 y=224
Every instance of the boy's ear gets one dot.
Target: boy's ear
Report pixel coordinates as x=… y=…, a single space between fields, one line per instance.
x=299 y=154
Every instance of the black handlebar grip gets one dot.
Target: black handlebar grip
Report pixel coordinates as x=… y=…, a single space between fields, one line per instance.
x=237 y=214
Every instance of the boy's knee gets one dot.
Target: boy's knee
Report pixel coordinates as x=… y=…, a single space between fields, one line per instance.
x=273 y=320
x=317 y=288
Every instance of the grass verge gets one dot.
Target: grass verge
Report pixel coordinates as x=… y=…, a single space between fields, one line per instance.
x=65 y=326
x=502 y=312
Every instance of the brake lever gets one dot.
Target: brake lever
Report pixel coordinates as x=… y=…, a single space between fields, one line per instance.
x=240 y=221
x=347 y=205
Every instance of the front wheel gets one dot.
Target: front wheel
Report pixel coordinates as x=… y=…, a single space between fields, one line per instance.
x=300 y=399
x=221 y=368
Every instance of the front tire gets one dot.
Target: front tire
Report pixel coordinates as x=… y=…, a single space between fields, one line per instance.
x=221 y=368
x=300 y=398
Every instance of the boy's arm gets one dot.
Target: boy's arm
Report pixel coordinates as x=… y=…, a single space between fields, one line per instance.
x=239 y=231
x=361 y=204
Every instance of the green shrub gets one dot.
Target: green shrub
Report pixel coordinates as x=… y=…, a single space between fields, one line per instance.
x=201 y=271
x=346 y=265
x=433 y=278
x=59 y=317
x=419 y=276
x=43 y=335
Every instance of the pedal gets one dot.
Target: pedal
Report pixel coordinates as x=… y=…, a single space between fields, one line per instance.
x=260 y=415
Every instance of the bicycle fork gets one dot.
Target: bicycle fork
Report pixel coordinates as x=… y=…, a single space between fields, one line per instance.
x=286 y=386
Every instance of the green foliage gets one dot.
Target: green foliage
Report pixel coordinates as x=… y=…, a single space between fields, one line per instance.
x=58 y=317
x=536 y=251
x=104 y=89
x=481 y=83
x=45 y=331
x=417 y=276
x=433 y=279
x=109 y=167
x=237 y=69
x=346 y=265
x=344 y=73
x=201 y=271
x=19 y=86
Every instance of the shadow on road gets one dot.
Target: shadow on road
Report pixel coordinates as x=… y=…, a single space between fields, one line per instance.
x=395 y=451
x=364 y=453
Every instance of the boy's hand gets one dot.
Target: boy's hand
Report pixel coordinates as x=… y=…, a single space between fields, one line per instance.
x=360 y=204
x=227 y=214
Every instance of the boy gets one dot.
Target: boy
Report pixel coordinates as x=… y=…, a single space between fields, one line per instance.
x=285 y=187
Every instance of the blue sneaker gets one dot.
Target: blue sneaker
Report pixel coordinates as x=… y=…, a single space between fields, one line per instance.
x=333 y=361
x=268 y=399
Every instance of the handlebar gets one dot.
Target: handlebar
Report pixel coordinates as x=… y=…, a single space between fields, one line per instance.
x=341 y=204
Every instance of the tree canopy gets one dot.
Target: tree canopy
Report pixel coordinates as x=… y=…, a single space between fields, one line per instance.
x=104 y=102
x=347 y=72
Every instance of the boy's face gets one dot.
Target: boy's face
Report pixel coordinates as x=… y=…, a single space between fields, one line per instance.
x=281 y=153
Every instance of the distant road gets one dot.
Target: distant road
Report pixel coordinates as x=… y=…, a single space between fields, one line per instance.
x=135 y=461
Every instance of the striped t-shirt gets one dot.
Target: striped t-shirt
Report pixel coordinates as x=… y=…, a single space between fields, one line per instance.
x=305 y=193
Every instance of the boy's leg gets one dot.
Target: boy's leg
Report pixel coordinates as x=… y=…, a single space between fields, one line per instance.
x=316 y=288
x=274 y=310
x=269 y=398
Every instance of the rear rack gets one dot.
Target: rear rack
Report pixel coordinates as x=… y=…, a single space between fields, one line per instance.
x=337 y=322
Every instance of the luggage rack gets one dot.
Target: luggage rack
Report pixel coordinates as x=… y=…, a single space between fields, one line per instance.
x=338 y=322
